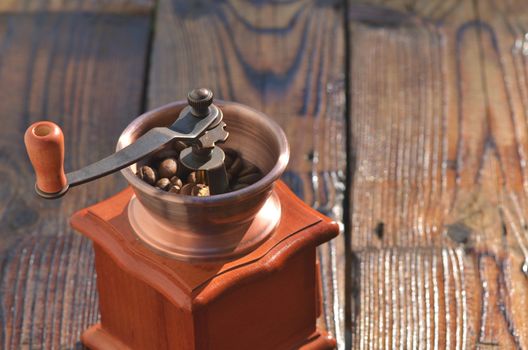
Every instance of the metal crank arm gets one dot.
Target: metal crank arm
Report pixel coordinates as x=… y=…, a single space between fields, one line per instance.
x=186 y=128
x=152 y=141
x=45 y=145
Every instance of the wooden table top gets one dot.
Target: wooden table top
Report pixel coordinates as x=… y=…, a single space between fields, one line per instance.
x=407 y=122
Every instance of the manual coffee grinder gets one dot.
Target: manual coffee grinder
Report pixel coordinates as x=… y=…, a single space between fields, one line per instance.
x=233 y=270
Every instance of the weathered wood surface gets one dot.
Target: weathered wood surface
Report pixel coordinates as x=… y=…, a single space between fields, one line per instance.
x=84 y=71
x=280 y=58
x=438 y=96
x=77 y=6
x=287 y=60
x=437 y=203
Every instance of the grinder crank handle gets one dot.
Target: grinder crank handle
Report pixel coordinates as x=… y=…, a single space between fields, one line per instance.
x=45 y=145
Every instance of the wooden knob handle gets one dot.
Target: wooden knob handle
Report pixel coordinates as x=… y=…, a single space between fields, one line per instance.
x=45 y=146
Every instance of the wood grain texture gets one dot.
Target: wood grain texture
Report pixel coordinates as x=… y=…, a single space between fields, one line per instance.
x=438 y=202
x=137 y=7
x=85 y=72
x=285 y=59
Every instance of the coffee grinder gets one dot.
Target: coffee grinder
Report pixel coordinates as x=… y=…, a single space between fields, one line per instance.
x=236 y=269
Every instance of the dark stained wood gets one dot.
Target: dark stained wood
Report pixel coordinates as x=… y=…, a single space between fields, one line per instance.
x=438 y=100
x=283 y=58
x=84 y=71
x=137 y=7
x=439 y=203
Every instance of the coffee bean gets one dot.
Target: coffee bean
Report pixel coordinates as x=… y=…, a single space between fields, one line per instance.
x=147 y=174
x=200 y=190
x=166 y=173
x=175 y=185
x=187 y=189
x=230 y=156
x=163 y=184
x=192 y=178
x=193 y=189
x=235 y=168
x=175 y=181
x=168 y=168
x=228 y=161
x=233 y=153
x=239 y=186
x=249 y=178
x=174 y=189
x=196 y=178
x=247 y=168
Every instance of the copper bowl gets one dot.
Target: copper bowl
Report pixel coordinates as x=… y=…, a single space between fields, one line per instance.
x=220 y=226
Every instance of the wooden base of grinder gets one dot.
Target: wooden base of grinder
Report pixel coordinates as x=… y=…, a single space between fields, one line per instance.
x=266 y=299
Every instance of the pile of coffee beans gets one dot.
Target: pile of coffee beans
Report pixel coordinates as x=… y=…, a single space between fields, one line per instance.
x=240 y=172
x=167 y=174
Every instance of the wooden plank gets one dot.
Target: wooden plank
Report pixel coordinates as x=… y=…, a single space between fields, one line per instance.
x=137 y=7
x=283 y=58
x=438 y=203
x=84 y=71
